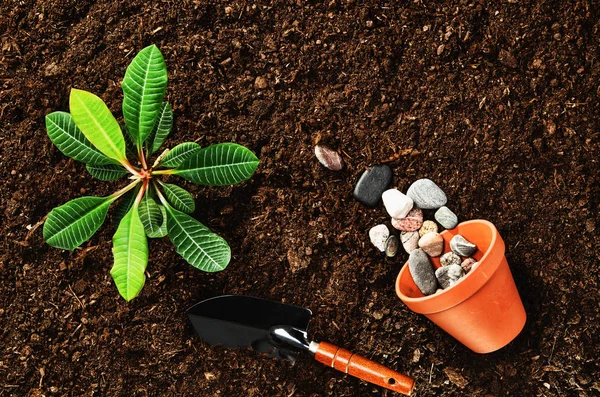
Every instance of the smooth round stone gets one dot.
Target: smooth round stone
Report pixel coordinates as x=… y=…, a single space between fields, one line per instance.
x=379 y=235
x=329 y=158
x=372 y=183
x=410 y=241
x=432 y=243
x=426 y=194
x=396 y=203
x=468 y=264
x=450 y=258
x=448 y=275
x=411 y=222
x=461 y=246
x=427 y=227
x=391 y=246
x=422 y=272
x=446 y=218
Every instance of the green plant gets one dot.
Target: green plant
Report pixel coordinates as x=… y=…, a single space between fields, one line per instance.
x=149 y=207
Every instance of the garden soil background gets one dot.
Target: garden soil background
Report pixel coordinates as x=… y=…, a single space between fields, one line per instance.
x=497 y=102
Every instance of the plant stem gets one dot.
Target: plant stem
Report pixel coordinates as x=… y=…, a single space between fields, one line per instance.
x=130 y=167
x=141 y=193
x=159 y=194
x=127 y=188
x=142 y=158
x=163 y=172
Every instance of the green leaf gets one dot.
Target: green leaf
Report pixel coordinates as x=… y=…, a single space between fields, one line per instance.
x=162 y=230
x=69 y=225
x=162 y=128
x=97 y=123
x=179 y=198
x=130 y=148
x=144 y=87
x=179 y=154
x=150 y=214
x=219 y=165
x=125 y=204
x=199 y=246
x=130 y=249
x=70 y=140
x=108 y=172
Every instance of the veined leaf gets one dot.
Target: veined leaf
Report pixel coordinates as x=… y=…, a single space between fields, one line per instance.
x=144 y=87
x=219 y=165
x=125 y=204
x=108 y=172
x=199 y=246
x=70 y=140
x=162 y=128
x=179 y=154
x=179 y=198
x=162 y=230
x=150 y=215
x=130 y=148
x=69 y=225
x=130 y=249
x=97 y=123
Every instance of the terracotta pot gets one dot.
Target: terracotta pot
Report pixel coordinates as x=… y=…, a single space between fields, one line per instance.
x=483 y=310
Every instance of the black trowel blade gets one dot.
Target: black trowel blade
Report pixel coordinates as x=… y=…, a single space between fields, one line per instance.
x=245 y=321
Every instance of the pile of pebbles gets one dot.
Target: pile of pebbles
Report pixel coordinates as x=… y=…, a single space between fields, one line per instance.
x=420 y=238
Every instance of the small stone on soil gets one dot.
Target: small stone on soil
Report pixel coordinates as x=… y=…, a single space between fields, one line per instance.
x=379 y=235
x=427 y=227
x=396 y=203
x=329 y=158
x=446 y=218
x=411 y=222
x=410 y=241
x=468 y=264
x=461 y=246
x=450 y=258
x=391 y=246
x=432 y=243
x=422 y=272
x=448 y=275
x=426 y=194
x=260 y=83
x=372 y=183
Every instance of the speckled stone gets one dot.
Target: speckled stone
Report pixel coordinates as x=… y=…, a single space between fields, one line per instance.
x=468 y=264
x=379 y=235
x=329 y=158
x=426 y=194
x=372 y=183
x=411 y=222
x=448 y=275
x=446 y=218
x=422 y=272
x=427 y=227
x=432 y=243
x=391 y=246
x=396 y=203
x=410 y=241
x=461 y=246
x=450 y=258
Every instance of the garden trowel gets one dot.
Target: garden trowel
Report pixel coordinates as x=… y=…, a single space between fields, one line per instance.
x=280 y=330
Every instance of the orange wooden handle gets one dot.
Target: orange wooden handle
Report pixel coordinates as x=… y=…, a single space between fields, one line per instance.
x=363 y=368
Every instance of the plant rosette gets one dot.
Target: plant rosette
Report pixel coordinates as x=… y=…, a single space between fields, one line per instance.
x=149 y=208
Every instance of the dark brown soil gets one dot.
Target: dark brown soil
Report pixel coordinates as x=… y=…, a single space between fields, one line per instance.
x=497 y=102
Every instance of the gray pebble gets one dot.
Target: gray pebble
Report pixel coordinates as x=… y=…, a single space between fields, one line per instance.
x=448 y=275
x=426 y=194
x=446 y=218
x=461 y=246
x=450 y=258
x=391 y=246
x=422 y=272
x=410 y=241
